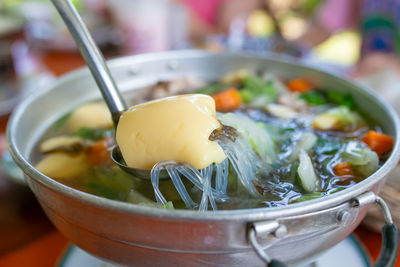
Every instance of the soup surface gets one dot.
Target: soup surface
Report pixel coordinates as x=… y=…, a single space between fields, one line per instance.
x=285 y=141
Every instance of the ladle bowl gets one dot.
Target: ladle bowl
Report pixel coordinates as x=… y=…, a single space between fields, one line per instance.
x=116 y=156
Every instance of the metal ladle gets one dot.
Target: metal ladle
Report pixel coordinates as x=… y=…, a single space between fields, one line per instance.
x=100 y=72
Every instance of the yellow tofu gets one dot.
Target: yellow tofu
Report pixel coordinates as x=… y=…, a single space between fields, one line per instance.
x=174 y=128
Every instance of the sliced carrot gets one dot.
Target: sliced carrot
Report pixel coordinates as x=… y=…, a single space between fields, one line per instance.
x=227 y=100
x=378 y=142
x=299 y=85
x=343 y=169
x=98 y=153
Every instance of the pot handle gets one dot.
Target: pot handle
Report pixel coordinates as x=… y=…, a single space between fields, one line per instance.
x=260 y=251
x=390 y=244
x=390 y=234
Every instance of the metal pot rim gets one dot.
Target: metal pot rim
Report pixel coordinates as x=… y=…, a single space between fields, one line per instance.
x=252 y=214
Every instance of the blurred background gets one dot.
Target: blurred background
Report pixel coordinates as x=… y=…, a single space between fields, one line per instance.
x=359 y=39
x=354 y=37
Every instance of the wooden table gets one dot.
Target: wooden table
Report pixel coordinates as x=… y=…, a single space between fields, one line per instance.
x=29 y=239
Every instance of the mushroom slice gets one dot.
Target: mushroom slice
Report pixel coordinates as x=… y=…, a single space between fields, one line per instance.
x=62 y=165
x=235 y=77
x=91 y=115
x=281 y=111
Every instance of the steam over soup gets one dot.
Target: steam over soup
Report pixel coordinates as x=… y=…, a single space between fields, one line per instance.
x=271 y=142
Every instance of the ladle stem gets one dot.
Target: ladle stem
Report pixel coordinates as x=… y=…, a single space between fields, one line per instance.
x=93 y=58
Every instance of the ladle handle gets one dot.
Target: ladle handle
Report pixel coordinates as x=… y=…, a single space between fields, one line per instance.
x=93 y=58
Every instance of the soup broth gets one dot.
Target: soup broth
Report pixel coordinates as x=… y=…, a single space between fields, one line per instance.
x=300 y=141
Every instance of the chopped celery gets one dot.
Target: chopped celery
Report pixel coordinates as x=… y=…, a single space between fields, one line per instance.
x=335 y=119
x=257 y=137
x=246 y=95
x=306 y=173
x=306 y=143
x=259 y=87
x=345 y=115
x=363 y=160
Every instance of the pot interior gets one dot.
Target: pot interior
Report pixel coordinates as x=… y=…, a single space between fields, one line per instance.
x=39 y=111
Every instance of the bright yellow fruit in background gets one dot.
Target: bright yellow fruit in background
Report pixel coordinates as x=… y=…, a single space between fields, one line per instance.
x=342 y=48
x=259 y=24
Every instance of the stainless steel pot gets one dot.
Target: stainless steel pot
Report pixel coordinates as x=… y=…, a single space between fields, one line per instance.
x=143 y=236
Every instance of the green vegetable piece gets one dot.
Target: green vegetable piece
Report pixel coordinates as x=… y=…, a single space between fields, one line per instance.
x=102 y=190
x=342 y=99
x=111 y=182
x=270 y=91
x=137 y=198
x=314 y=98
x=334 y=97
x=61 y=122
x=306 y=173
x=212 y=89
x=78 y=5
x=246 y=95
x=293 y=171
x=349 y=102
x=361 y=157
x=325 y=146
x=336 y=118
x=259 y=87
x=306 y=197
x=262 y=125
x=254 y=135
x=169 y=206
x=345 y=115
x=92 y=134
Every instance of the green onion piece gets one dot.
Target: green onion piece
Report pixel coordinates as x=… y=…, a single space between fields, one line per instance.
x=92 y=134
x=212 y=89
x=338 y=98
x=314 y=98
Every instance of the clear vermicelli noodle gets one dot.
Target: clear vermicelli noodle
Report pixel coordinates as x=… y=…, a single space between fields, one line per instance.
x=238 y=155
